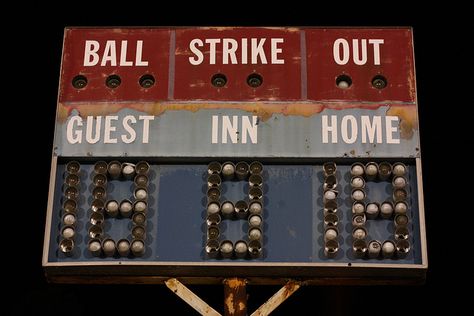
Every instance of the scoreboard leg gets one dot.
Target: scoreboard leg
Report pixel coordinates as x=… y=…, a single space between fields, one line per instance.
x=235 y=297
x=189 y=297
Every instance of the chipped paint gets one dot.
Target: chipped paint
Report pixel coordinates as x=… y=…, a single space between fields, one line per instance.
x=408 y=120
x=279 y=297
x=235 y=300
x=263 y=110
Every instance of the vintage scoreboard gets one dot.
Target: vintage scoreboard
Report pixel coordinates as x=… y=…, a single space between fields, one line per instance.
x=210 y=152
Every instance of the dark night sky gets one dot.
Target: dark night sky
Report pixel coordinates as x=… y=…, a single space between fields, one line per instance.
x=35 y=87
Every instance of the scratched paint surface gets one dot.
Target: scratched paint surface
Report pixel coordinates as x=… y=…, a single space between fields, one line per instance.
x=296 y=92
x=184 y=130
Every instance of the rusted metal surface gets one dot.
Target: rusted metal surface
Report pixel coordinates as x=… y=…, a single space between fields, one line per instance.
x=278 y=298
x=189 y=297
x=235 y=297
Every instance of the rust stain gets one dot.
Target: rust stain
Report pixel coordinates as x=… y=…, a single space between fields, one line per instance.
x=235 y=282
x=263 y=110
x=411 y=80
x=289 y=288
x=408 y=119
x=229 y=302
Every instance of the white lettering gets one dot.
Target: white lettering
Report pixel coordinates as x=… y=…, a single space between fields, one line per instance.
x=275 y=51
x=108 y=129
x=355 y=49
x=94 y=129
x=89 y=128
x=199 y=56
x=146 y=127
x=229 y=47
x=345 y=130
x=138 y=56
x=390 y=129
x=326 y=129
x=215 y=131
x=257 y=50
x=371 y=129
x=91 y=58
x=110 y=54
x=230 y=51
x=123 y=55
x=244 y=51
x=229 y=128
x=132 y=135
x=250 y=129
x=212 y=49
x=74 y=136
x=376 y=43
x=336 y=49
x=359 y=56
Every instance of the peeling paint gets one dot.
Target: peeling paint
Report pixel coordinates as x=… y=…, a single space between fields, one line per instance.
x=263 y=110
x=408 y=119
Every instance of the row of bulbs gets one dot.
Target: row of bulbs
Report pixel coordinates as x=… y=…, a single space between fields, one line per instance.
x=250 y=211
x=68 y=220
x=361 y=211
x=99 y=244
x=384 y=171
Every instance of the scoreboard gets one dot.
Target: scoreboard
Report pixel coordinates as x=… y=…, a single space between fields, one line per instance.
x=264 y=153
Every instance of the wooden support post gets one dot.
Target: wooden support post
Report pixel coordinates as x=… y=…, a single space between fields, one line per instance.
x=235 y=297
x=278 y=298
x=189 y=297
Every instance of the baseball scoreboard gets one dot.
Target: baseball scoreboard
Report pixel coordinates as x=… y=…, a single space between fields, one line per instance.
x=265 y=153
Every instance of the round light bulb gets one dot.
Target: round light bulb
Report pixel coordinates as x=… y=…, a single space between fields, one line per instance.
x=329 y=195
x=109 y=246
x=399 y=182
x=228 y=170
x=386 y=209
x=357 y=182
x=140 y=206
x=357 y=170
x=255 y=208
x=255 y=220
x=330 y=234
x=359 y=233
x=112 y=206
x=399 y=170
x=137 y=246
x=372 y=209
x=358 y=195
x=141 y=194
x=255 y=233
x=226 y=247
x=241 y=247
x=371 y=170
x=128 y=169
x=388 y=248
x=213 y=208
x=358 y=208
x=400 y=208
x=68 y=232
x=94 y=246
x=69 y=219
x=227 y=208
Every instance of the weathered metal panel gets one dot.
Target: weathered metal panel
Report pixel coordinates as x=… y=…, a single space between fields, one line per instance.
x=317 y=95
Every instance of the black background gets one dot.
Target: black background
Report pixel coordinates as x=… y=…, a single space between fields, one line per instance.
x=33 y=48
